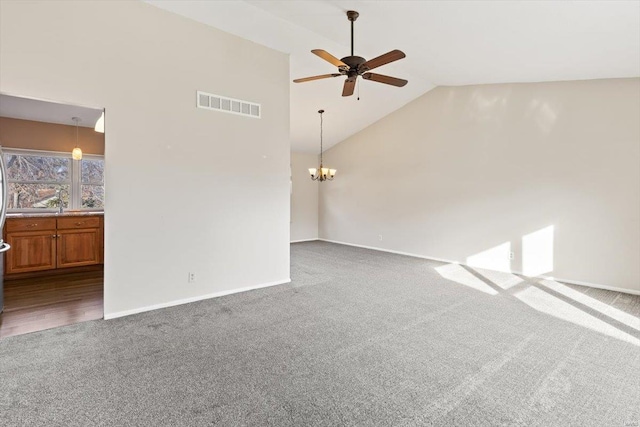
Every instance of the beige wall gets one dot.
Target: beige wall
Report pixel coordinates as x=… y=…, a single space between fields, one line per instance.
x=304 y=198
x=28 y=134
x=189 y=190
x=548 y=171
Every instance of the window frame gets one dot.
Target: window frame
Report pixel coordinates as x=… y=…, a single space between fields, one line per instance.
x=74 y=182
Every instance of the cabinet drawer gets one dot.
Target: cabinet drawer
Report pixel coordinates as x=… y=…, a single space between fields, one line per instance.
x=30 y=224
x=78 y=222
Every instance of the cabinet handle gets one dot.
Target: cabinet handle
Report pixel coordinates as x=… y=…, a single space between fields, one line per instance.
x=79 y=223
x=54 y=236
x=32 y=225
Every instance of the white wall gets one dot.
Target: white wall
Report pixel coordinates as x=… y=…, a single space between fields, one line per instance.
x=304 y=197
x=549 y=171
x=186 y=189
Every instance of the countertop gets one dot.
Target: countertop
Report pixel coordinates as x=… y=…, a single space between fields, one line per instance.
x=52 y=214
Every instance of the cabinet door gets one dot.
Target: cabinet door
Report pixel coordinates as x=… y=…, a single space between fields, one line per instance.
x=78 y=247
x=31 y=251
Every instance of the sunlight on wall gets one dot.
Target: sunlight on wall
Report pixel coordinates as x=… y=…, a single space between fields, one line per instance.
x=496 y=258
x=548 y=304
x=537 y=252
x=458 y=274
x=486 y=108
x=503 y=279
x=543 y=114
x=593 y=303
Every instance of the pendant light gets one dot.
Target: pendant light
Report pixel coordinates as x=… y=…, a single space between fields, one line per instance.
x=100 y=124
x=321 y=173
x=76 y=154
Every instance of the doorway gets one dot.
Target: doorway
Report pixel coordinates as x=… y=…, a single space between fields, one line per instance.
x=53 y=189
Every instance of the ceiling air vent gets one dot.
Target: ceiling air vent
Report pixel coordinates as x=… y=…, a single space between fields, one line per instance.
x=209 y=101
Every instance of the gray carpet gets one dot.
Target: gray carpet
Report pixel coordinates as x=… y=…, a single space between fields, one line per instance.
x=358 y=338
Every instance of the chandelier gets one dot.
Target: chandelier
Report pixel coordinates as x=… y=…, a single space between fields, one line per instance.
x=321 y=173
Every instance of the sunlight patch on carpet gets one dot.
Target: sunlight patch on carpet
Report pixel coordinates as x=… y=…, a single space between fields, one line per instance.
x=546 y=303
x=593 y=303
x=456 y=273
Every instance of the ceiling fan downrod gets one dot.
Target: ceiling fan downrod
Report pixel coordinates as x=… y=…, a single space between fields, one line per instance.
x=352 y=15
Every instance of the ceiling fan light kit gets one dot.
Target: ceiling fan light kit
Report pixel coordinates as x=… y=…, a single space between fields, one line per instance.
x=353 y=66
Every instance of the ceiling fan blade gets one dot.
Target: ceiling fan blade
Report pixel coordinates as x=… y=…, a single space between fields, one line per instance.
x=385 y=79
x=323 y=76
x=349 y=86
x=330 y=58
x=394 y=55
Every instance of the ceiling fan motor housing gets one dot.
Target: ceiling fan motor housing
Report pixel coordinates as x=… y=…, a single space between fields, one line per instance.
x=355 y=65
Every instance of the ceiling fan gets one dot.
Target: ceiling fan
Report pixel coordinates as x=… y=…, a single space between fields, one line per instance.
x=354 y=66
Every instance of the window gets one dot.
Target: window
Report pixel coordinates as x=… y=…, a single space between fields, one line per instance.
x=92 y=183
x=39 y=180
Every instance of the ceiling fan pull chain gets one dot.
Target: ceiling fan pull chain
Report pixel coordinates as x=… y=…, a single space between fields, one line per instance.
x=358 y=90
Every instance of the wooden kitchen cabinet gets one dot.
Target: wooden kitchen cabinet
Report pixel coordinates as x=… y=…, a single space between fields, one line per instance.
x=46 y=243
x=78 y=241
x=33 y=245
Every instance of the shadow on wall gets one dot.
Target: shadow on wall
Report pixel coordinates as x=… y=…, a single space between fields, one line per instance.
x=489 y=272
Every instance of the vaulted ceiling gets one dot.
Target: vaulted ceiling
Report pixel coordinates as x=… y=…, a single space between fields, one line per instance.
x=446 y=43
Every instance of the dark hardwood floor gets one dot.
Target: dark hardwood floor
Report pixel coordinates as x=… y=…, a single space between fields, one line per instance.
x=35 y=304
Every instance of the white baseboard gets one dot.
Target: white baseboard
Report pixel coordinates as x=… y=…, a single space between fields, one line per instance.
x=392 y=251
x=117 y=314
x=304 y=240
x=557 y=279
x=591 y=285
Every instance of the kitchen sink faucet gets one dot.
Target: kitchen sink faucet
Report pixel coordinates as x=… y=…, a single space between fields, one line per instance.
x=60 y=201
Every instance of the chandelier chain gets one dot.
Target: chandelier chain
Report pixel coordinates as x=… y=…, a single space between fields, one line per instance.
x=320 y=139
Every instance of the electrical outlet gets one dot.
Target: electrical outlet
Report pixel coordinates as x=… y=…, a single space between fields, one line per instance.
x=380 y=237
x=192 y=277
x=512 y=256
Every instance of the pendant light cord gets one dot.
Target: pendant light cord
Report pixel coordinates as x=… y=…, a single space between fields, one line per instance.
x=77 y=121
